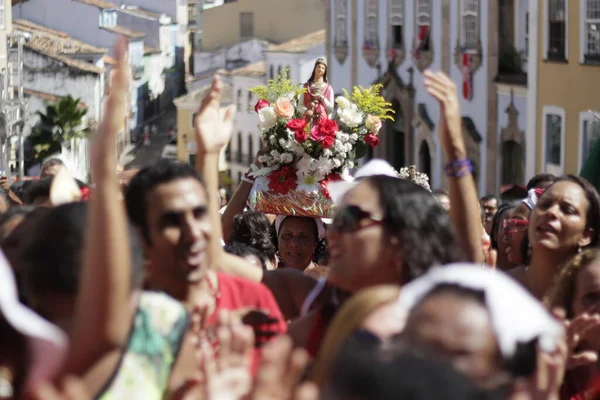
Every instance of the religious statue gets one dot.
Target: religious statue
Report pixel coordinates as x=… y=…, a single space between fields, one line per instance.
x=317 y=102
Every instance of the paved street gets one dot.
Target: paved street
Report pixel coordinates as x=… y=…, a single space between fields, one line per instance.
x=147 y=155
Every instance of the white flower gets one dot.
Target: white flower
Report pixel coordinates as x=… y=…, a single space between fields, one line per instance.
x=308 y=184
x=305 y=166
x=297 y=148
x=327 y=153
x=267 y=117
x=262 y=171
x=261 y=183
x=286 y=158
x=350 y=117
x=337 y=163
x=354 y=137
x=273 y=140
x=342 y=102
x=323 y=167
x=350 y=164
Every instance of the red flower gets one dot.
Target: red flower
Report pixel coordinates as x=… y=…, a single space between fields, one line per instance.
x=300 y=136
x=371 y=140
x=296 y=125
x=327 y=142
x=261 y=104
x=283 y=180
x=323 y=129
x=325 y=183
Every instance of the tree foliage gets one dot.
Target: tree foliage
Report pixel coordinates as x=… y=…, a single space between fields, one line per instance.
x=62 y=121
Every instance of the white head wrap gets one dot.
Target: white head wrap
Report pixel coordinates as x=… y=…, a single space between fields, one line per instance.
x=47 y=344
x=517 y=317
x=320 y=225
x=532 y=197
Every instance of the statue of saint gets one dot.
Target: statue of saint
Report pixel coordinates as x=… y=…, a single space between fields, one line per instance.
x=317 y=102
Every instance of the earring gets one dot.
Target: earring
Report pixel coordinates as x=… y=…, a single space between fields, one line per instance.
x=578 y=249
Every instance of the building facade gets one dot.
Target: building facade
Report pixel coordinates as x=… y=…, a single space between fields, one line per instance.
x=274 y=20
x=393 y=42
x=566 y=55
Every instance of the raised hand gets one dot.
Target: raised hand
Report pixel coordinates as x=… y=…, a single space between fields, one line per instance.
x=584 y=329
x=213 y=125
x=443 y=90
x=280 y=371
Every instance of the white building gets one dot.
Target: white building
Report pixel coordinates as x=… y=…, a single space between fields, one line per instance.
x=395 y=41
x=238 y=55
x=56 y=65
x=94 y=22
x=245 y=141
x=297 y=55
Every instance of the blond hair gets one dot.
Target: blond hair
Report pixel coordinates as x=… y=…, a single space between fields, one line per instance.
x=347 y=320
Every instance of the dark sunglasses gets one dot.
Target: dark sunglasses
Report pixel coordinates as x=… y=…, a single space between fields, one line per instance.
x=348 y=219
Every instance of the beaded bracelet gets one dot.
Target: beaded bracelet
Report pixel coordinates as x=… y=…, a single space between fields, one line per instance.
x=459 y=168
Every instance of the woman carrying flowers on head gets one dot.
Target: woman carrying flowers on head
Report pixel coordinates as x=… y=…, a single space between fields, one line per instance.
x=317 y=101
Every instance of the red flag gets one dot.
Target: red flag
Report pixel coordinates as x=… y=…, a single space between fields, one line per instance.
x=467 y=77
x=422 y=40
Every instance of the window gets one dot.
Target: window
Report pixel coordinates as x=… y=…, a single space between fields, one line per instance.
x=553 y=126
x=2 y=15
x=247 y=25
x=557 y=30
x=250 y=149
x=372 y=28
x=341 y=28
x=470 y=24
x=239 y=99
x=191 y=14
x=250 y=102
x=424 y=22
x=271 y=72
x=396 y=13
x=589 y=133
x=591 y=28
x=279 y=69
x=240 y=154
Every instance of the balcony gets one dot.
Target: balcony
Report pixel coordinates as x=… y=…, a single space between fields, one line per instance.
x=510 y=67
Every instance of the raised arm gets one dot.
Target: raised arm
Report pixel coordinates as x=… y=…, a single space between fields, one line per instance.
x=213 y=127
x=102 y=312
x=464 y=209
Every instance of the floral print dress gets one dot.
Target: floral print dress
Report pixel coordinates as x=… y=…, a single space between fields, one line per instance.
x=154 y=342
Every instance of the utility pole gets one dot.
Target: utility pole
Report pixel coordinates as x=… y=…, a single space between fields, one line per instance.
x=13 y=104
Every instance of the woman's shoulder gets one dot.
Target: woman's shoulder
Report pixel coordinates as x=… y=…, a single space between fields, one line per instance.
x=519 y=274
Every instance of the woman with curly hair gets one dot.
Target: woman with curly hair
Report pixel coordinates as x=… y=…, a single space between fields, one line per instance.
x=577 y=292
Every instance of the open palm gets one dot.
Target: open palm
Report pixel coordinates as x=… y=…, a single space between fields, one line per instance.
x=213 y=125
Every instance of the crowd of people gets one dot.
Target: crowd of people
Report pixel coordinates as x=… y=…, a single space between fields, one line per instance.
x=141 y=286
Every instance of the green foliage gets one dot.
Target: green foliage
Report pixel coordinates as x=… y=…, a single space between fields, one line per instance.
x=370 y=101
x=281 y=87
x=61 y=122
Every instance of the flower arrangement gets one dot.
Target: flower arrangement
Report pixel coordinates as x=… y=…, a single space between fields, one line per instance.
x=304 y=155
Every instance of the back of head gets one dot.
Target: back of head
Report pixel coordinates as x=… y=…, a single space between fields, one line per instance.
x=38 y=191
x=422 y=225
x=361 y=373
x=144 y=181
x=254 y=229
x=52 y=257
x=50 y=166
x=243 y=250
x=541 y=181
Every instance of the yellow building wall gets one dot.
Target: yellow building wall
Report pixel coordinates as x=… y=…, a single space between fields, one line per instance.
x=274 y=20
x=571 y=86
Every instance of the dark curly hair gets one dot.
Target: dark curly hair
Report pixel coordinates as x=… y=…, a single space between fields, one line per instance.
x=498 y=218
x=254 y=229
x=416 y=217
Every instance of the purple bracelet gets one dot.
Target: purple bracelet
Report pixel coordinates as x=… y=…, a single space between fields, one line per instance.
x=459 y=168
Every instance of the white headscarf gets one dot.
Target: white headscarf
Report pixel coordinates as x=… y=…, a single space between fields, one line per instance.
x=517 y=317
x=320 y=225
x=532 y=197
x=47 y=344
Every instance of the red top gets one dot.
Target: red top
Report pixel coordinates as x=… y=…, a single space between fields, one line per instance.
x=237 y=293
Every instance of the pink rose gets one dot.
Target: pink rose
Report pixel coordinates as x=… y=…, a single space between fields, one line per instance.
x=373 y=123
x=284 y=108
x=316 y=134
x=261 y=104
x=371 y=140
